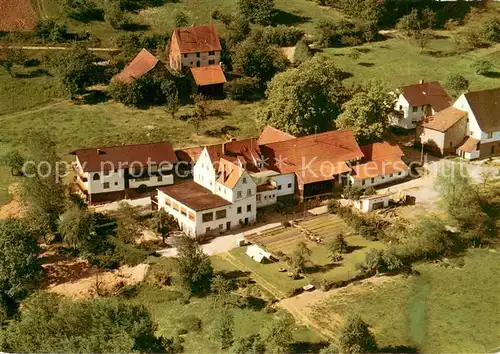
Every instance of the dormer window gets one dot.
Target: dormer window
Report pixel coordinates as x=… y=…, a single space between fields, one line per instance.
x=415 y=108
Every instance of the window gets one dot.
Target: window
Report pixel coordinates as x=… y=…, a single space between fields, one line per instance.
x=239 y=194
x=249 y=192
x=244 y=180
x=258 y=196
x=211 y=62
x=414 y=109
x=400 y=107
x=207 y=229
x=490 y=135
x=399 y=173
x=221 y=226
x=279 y=187
x=116 y=183
x=363 y=182
x=238 y=211
x=211 y=52
x=220 y=214
x=207 y=217
x=249 y=207
x=160 y=178
x=198 y=63
x=105 y=185
x=96 y=177
x=289 y=185
x=185 y=55
x=373 y=180
x=381 y=177
x=198 y=55
x=107 y=172
x=391 y=175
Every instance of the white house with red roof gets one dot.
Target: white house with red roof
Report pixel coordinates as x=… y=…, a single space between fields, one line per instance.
x=418 y=101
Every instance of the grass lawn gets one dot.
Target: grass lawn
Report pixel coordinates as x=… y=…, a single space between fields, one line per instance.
x=443 y=310
x=397 y=62
x=169 y=313
x=285 y=240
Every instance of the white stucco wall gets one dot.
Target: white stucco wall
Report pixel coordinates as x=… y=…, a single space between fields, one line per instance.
x=116 y=180
x=378 y=180
x=366 y=205
x=191 y=59
x=266 y=198
x=429 y=135
x=285 y=184
x=151 y=181
x=204 y=172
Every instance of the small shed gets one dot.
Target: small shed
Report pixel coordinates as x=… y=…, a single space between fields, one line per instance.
x=369 y=203
x=258 y=254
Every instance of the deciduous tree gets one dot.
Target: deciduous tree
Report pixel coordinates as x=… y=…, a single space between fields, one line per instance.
x=277 y=335
x=457 y=83
x=20 y=267
x=299 y=258
x=193 y=267
x=261 y=12
x=13 y=160
x=355 y=337
x=305 y=99
x=367 y=113
x=222 y=328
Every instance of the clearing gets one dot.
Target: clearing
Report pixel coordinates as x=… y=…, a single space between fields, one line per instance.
x=450 y=307
x=17 y=15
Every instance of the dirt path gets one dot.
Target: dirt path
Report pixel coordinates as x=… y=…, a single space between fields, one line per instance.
x=30 y=111
x=55 y=48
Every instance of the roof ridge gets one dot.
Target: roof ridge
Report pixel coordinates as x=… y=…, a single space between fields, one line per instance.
x=118 y=146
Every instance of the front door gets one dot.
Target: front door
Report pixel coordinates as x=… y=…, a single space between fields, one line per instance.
x=246 y=221
x=228 y=225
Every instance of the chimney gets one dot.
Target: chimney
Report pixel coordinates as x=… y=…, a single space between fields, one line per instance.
x=421 y=81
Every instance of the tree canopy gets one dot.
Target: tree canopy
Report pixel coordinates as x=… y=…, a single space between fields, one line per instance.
x=49 y=323
x=355 y=337
x=367 y=113
x=258 y=11
x=305 y=99
x=20 y=267
x=193 y=267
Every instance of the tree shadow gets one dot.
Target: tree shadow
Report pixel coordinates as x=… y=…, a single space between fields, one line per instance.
x=95 y=97
x=255 y=303
x=32 y=74
x=29 y=63
x=234 y=274
x=492 y=74
x=137 y=5
x=351 y=248
x=363 y=50
x=217 y=132
x=321 y=268
x=308 y=347
x=134 y=27
x=366 y=65
x=287 y=18
x=398 y=349
x=218 y=113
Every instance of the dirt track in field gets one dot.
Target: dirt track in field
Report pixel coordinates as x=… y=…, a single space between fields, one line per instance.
x=17 y=15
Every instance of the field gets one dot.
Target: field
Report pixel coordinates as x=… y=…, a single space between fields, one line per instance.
x=18 y=15
x=168 y=313
x=285 y=240
x=445 y=309
x=397 y=62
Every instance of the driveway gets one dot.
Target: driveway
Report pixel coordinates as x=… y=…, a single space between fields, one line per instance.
x=221 y=244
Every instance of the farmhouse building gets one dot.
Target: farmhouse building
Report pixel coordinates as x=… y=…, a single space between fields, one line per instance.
x=381 y=163
x=444 y=131
x=470 y=128
x=143 y=63
x=106 y=174
x=418 y=101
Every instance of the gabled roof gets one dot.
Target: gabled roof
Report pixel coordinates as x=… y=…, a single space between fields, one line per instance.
x=485 y=105
x=469 y=144
x=444 y=120
x=140 y=65
x=380 y=159
x=208 y=75
x=273 y=135
x=312 y=151
x=229 y=173
x=194 y=196
x=197 y=39
x=431 y=93
x=114 y=157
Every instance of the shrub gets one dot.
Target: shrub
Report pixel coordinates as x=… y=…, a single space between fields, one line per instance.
x=294 y=291
x=321 y=284
x=490 y=30
x=302 y=52
x=339 y=33
x=245 y=89
x=333 y=206
x=50 y=30
x=191 y=323
x=281 y=35
x=338 y=244
x=83 y=10
x=172 y=345
x=481 y=67
x=258 y=11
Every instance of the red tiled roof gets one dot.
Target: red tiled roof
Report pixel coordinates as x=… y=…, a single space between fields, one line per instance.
x=469 y=144
x=431 y=93
x=273 y=135
x=485 y=105
x=197 y=39
x=140 y=65
x=114 y=157
x=444 y=120
x=380 y=159
x=229 y=173
x=265 y=187
x=208 y=75
x=194 y=196
x=330 y=150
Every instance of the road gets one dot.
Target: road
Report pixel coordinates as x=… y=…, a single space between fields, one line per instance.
x=23 y=47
